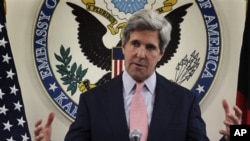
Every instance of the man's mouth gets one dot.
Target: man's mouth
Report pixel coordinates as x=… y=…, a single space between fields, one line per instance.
x=139 y=64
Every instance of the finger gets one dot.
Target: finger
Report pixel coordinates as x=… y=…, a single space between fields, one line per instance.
x=233 y=119
x=37 y=130
x=50 y=119
x=225 y=106
x=228 y=123
x=224 y=132
x=38 y=138
x=38 y=122
x=238 y=112
x=236 y=120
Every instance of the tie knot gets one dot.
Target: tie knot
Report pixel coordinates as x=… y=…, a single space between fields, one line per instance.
x=139 y=86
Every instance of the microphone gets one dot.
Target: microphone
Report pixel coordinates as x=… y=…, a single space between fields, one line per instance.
x=135 y=135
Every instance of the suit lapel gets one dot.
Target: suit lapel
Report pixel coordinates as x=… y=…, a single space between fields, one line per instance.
x=164 y=107
x=113 y=106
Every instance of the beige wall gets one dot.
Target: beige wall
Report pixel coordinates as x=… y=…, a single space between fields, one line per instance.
x=21 y=16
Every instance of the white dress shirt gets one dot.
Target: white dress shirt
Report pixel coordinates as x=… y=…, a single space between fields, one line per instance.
x=148 y=93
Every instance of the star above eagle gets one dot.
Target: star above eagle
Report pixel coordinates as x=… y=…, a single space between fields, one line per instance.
x=91 y=32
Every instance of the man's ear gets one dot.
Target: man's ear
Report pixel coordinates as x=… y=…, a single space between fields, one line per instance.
x=161 y=55
x=122 y=46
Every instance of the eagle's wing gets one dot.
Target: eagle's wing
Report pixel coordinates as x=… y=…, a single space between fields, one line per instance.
x=176 y=18
x=90 y=34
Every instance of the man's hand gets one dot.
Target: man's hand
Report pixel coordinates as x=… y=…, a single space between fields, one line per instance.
x=43 y=132
x=230 y=118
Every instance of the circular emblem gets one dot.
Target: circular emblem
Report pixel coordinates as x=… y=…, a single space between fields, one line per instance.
x=76 y=45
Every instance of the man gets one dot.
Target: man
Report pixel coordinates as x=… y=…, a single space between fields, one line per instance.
x=172 y=112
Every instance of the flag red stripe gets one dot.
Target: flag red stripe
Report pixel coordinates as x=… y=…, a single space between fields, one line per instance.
x=115 y=68
x=121 y=66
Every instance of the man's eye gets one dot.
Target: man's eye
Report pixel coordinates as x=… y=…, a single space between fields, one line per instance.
x=135 y=43
x=151 y=47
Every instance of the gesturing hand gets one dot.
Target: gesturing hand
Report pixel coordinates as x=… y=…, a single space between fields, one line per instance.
x=230 y=118
x=43 y=132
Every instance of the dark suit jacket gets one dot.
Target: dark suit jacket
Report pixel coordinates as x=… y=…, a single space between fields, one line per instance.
x=101 y=116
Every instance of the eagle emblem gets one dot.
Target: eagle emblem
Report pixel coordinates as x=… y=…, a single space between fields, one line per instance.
x=95 y=56
x=90 y=38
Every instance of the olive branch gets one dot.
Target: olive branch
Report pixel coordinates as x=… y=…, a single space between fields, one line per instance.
x=71 y=75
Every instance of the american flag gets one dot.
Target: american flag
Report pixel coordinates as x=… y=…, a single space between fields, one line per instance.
x=13 y=122
x=117 y=61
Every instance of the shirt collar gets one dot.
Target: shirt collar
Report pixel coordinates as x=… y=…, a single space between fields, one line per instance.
x=129 y=82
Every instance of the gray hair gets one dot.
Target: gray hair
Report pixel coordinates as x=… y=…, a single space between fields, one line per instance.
x=149 y=20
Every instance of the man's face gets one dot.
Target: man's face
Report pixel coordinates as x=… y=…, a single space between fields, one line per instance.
x=142 y=52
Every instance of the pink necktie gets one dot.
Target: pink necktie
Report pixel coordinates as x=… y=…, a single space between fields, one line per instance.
x=138 y=113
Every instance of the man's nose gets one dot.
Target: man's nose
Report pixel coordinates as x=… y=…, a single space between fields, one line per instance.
x=141 y=52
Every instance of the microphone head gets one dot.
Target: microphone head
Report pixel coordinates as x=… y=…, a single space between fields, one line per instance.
x=135 y=135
